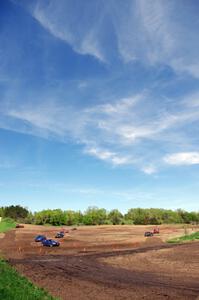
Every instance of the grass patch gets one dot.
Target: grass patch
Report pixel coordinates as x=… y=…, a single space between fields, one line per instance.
x=13 y=286
x=7 y=224
x=185 y=238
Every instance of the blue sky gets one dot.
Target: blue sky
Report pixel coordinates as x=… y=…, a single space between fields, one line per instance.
x=99 y=104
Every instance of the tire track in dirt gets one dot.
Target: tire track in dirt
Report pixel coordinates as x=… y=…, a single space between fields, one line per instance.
x=89 y=267
x=84 y=275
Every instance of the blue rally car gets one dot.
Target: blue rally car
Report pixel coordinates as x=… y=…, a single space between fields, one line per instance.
x=50 y=243
x=40 y=238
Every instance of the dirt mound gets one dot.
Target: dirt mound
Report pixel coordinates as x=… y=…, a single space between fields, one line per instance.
x=152 y=241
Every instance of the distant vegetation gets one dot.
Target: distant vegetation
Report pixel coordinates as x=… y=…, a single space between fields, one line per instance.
x=15 y=212
x=185 y=238
x=100 y=216
x=14 y=286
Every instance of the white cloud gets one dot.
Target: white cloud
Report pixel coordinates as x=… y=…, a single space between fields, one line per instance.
x=100 y=153
x=106 y=155
x=149 y=169
x=121 y=106
x=182 y=158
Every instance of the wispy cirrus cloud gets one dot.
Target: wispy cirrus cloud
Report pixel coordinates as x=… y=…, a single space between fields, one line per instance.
x=134 y=126
x=132 y=131
x=113 y=81
x=150 y=31
x=156 y=32
x=74 y=27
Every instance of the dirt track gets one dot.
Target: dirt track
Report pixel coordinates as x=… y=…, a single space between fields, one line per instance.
x=148 y=269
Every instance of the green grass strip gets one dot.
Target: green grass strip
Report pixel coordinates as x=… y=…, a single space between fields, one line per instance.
x=16 y=287
x=185 y=238
x=7 y=224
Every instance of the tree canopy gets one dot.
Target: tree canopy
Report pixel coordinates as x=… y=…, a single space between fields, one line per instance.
x=99 y=216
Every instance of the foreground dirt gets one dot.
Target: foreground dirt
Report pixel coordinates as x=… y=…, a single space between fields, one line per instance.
x=107 y=262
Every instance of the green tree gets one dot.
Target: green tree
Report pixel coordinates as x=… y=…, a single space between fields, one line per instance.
x=72 y=217
x=1 y=211
x=53 y=217
x=16 y=212
x=137 y=216
x=95 y=216
x=115 y=217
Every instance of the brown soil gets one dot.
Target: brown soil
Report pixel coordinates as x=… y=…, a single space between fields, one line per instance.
x=107 y=262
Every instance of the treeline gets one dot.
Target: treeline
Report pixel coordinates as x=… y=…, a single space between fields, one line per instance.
x=15 y=212
x=99 y=216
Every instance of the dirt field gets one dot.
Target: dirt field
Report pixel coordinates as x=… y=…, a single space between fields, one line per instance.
x=107 y=262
